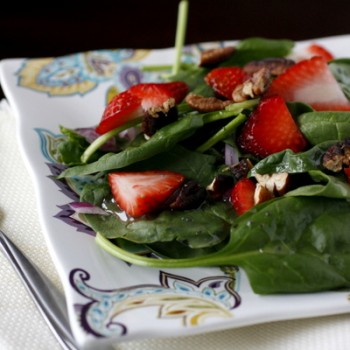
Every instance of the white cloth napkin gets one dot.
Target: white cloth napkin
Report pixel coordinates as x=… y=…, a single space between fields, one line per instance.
x=22 y=327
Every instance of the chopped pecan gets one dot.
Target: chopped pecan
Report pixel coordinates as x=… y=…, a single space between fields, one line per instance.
x=277 y=184
x=157 y=119
x=253 y=87
x=206 y=104
x=337 y=156
x=241 y=169
x=219 y=186
x=163 y=109
x=275 y=66
x=261 y=194
x=214 y=56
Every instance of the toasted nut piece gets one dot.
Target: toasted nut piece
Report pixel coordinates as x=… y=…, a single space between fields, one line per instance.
x=220 y=185
x=276 y=183
x=215 y=56
x=164 y=108
x=333 y=162
x=254 y=86
x=337 y=156
x=159 y=118
x=206 y=104
x=276 y=66
x=261 y=194
x=264 y=181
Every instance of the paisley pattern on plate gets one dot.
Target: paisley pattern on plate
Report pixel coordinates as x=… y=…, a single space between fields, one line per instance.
x=81 y=73
x=78 y=73
x=176 y=297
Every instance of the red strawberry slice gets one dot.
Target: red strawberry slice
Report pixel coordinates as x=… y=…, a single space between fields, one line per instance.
x=122 y=108
x=270 y=129
x=242 y=195
x=312 y=82
x=319 y=50
x=347 y=174
x=155 y=94
x=225 y=79
x=137 y=100
x=178 y=90
x=141 y=193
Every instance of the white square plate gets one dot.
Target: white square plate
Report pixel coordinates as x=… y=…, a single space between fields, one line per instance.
x=108 y=300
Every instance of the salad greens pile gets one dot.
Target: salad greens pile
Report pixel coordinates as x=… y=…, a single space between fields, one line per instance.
x=299 y=242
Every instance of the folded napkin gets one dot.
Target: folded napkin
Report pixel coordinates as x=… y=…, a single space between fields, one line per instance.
x=22 y=327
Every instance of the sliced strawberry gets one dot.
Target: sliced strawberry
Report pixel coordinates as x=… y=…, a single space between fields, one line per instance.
x=312 y=82
x=270 y=129
x=225 y=79
x=140 y=193
x=347 y=174
x=319 y=50
x=242 y=195
x=137 y=100
x=122 y=108
x=155 y=94
x=178 y=90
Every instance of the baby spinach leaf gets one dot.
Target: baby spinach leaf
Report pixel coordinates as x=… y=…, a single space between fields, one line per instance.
x=77 y=184
x=132 y=247
x=298 y=108
x=325 y=186
x=323 y=126
x=259 y=48
x=341 y=71
x=179 y=250
x=199 y=228
x=71 y=147
x=328 y=236
x=163 y=140
x=95 y=193
x=290 y=162
x=282 y=254
x=287 y=245
x=194 y=165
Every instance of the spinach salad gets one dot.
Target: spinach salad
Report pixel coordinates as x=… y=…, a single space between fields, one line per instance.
x=290 y=238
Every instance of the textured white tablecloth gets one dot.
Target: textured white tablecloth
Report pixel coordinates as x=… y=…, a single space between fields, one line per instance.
x=21 y=325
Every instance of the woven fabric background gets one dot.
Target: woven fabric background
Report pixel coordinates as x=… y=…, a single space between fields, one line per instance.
x=22 y=327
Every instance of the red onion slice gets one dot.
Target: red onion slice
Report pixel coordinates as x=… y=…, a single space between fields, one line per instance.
x=231 y=155
x=91 y=135
x=86 y=208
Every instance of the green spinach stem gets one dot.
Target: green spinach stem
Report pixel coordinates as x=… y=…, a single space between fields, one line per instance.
x=122 y=254
x=180 y=34
x=101 y=140
x=240 y=106
x=223 y=133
